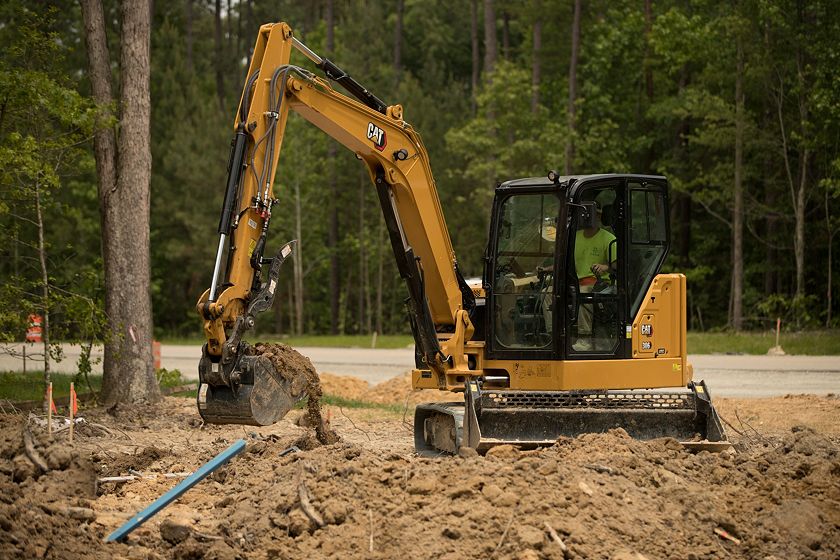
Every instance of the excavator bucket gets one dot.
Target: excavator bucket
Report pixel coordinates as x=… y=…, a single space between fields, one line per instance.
x=261 y=398
x=535 y=419
x=244 y=386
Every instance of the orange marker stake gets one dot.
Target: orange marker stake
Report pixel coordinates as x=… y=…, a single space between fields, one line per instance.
x=72 y=409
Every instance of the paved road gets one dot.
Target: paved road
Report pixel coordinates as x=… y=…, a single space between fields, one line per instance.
x=727 y=376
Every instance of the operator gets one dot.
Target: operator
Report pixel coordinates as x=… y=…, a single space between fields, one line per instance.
x=592 y=259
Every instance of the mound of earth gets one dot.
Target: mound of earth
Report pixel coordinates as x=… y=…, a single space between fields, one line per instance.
x=46 y=494
x=396 y=390
x=289 y=496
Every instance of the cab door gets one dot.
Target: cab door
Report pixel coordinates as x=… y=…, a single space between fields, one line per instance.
x=520 y=280
x=594 y=273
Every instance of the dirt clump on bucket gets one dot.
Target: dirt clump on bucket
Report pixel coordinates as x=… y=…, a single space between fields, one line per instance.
x=298 y=370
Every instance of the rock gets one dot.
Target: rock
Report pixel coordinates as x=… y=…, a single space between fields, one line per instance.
x=467 y=452
x=81 y=513
x=22 y=468
x=451 y=533
x=298 y=522
x=334 y=512
x=422 y=486
x=503 y=452
x=506 y=499
x=491 y=491
x=459 y=491
x=625 y=555
x=175 y=530
x=584 y=487
x=531 y=536
x=58 y=458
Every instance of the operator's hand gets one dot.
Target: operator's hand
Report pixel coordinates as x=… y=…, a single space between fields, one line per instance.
x=600 y=268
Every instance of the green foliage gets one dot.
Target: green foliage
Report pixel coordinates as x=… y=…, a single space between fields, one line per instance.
x=658 y=99
x=170 y=377
x=44 y=130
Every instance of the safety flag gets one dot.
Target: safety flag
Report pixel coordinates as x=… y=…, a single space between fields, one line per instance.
x=74 y=405
x=50 y=399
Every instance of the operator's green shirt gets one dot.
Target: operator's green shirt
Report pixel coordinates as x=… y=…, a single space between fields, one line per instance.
x=591 y=250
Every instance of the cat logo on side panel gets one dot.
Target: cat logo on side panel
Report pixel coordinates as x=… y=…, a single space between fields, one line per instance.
x=377 y=135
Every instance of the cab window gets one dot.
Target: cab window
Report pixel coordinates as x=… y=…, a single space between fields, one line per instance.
x=648 y=240
x=523 y=279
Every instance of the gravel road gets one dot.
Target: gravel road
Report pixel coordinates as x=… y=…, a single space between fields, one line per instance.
x=726 y=375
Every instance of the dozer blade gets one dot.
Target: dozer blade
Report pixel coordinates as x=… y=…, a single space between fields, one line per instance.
x=536 y=419
x=261 y=398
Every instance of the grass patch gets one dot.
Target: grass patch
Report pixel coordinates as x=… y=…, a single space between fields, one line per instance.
x=387 y=341
x=813 y=343
x=29 y=386
x=353 y=403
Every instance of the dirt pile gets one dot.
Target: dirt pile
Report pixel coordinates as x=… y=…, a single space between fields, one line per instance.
x=46 y=496
x=603 y=494
x=396 y=390
x=298 y=370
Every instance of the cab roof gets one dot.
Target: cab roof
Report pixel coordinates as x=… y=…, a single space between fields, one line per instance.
x=569 y=180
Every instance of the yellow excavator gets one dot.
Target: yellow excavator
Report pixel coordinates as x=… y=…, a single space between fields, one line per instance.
x=570 y=329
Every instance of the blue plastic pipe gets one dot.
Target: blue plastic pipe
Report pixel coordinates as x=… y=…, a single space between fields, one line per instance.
x=176 y=492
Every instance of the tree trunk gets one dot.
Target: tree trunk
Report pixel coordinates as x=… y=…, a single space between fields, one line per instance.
x=647 y=62
x=189 y=33
x=570 y=143
x=380 y=271
x=535 y=58
x=828 y=289
x=505 y=35
x=124 y=204
x=738 y=198
x=45 y=286
x=799 y=206
x=476 y=55
x=332 y=235
x=398 y=30
x=220 y=75
x=490 y=41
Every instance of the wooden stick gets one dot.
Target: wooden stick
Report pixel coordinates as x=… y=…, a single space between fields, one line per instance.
x=556 y=538
x=31 y=452
x=505 y=532
x=306 y=505
x=151 y=476
x=370 y=515
x=724 y=535
x=72 y=403
x=778 y=328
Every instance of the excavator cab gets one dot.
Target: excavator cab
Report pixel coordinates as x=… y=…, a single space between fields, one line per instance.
x=579 y=324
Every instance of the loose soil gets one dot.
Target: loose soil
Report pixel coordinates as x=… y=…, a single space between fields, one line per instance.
x=300 y=372
x=368 y=496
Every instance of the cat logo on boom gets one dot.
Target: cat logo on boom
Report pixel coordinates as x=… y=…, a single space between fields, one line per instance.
x=377 y=135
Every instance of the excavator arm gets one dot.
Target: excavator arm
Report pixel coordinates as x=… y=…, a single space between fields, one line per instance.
x=236 y=387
